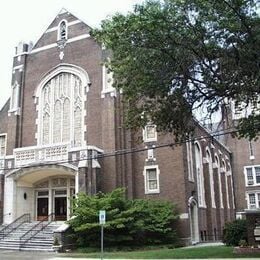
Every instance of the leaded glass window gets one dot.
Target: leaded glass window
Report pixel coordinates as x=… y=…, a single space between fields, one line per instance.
x=61 y=113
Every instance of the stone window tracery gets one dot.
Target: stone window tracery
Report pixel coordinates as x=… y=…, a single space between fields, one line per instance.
x=61 y=110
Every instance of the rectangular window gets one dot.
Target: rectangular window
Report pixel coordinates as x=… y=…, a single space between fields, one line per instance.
x=252 y=201
x=150 y=134
x=150 y=154
x=151 y=177
x=251 y=151
x=250 y=178
x=2 y=145
x=190 y=160
x=257 y=174
x=252 y=175
x=43 y=193
x=60 y=192
x=258 y=200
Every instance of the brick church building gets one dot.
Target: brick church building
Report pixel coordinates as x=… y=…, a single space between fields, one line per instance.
x=62 y=132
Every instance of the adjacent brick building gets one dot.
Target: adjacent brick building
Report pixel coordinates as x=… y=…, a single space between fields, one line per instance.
x=62 y=132
x=245 y=161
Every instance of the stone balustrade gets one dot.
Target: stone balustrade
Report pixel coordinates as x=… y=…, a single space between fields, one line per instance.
x=37 y=154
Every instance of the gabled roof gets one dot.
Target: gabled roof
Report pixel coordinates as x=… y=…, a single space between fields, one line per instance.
x=63 y=14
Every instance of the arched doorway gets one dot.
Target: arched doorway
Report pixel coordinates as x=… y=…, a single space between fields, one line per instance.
x=194 y=221
x=40 y=191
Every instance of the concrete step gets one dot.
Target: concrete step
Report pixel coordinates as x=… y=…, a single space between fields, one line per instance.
x=42 y=241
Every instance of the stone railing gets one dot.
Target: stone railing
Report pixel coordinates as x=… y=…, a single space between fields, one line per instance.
x=36 y=154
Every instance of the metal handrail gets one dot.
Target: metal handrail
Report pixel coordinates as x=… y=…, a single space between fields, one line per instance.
x=14 y=225
x=36 y=229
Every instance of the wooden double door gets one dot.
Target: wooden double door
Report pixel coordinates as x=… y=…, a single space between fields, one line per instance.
x=60 y=208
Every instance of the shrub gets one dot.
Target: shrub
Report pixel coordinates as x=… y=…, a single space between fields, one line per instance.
x=234 y=232
x=128 y=222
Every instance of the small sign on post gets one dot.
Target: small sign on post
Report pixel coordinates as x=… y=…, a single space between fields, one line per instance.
x=102 y=217
x=102 y=222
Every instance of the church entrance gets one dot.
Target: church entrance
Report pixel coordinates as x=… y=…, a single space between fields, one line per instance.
x=40 y=191
x=53 y=196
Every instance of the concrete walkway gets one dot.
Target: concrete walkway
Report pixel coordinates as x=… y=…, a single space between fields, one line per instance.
x=205 y=244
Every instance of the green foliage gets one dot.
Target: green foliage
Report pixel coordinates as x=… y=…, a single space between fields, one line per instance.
x=234 y=232
x=128 y=222
x=172 y=56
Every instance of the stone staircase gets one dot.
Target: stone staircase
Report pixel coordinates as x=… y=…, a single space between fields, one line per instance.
x=42 y=241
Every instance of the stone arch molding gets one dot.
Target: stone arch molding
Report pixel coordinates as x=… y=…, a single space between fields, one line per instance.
x=64 y=67
x=60 y=169
x=74 y=101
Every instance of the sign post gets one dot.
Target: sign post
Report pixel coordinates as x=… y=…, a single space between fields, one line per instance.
x=102 y=221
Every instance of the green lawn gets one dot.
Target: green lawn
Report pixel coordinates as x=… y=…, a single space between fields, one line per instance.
x=163 y=253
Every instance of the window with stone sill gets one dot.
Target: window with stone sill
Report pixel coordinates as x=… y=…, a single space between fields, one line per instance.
x=149 y=133
x=252 y=174
x=151 y=178
x=2 y=145
x=253 y=200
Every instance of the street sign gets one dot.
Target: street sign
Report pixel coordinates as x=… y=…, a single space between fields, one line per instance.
x=102 y=217
x=102 y=222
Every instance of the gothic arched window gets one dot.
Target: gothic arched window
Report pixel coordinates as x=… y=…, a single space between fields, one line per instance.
x=211 y=179
x=219 y=181
x=62 y=31
x=61 y=110
x=199 y=175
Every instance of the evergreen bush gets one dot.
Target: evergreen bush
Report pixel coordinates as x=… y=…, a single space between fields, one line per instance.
x=234 y=232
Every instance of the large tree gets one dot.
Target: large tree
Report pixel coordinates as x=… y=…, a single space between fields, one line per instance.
x=170 y=57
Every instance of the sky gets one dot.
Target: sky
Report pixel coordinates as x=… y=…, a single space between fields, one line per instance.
x=28 y=19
